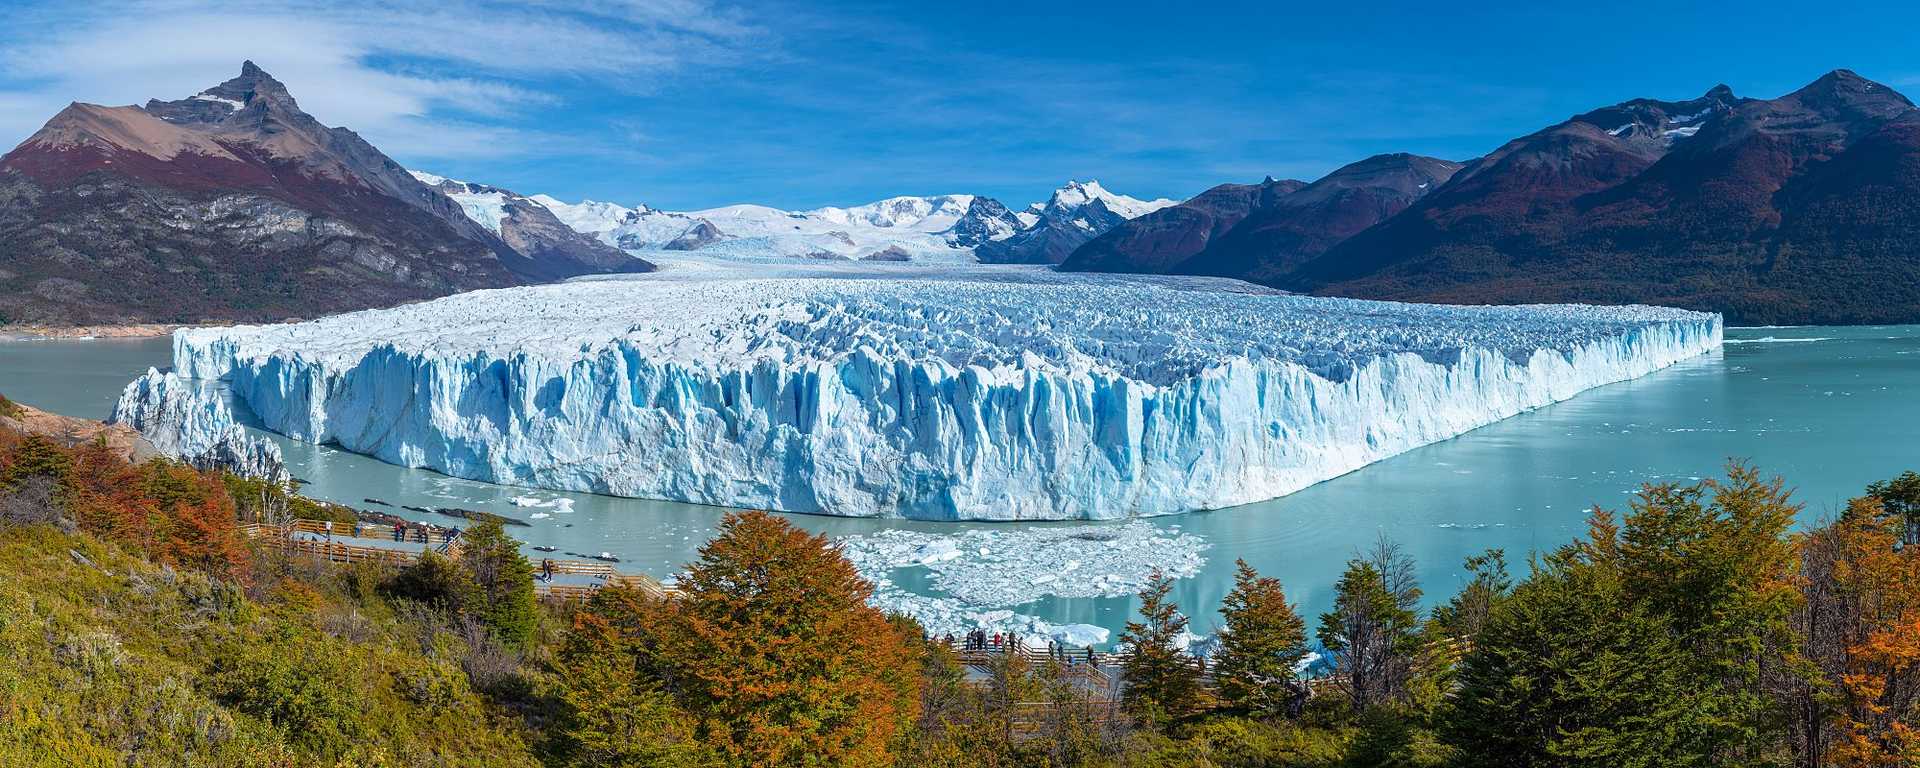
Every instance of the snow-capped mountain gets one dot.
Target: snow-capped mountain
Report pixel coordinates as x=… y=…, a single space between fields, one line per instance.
x=1077 y=213
x=240 y=206
x=589 y=217
x=947 y=228
x=532 y=230
x=1077 y=195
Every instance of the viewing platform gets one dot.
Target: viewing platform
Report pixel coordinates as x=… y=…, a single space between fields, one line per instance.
x=358 y=542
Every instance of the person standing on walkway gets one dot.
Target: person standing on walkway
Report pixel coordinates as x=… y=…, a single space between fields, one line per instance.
x=546 y=570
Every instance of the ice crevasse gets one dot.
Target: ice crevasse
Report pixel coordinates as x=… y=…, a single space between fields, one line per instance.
x=1015 y=395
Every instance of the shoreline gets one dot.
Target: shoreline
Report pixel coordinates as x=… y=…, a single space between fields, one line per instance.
x=82 y=332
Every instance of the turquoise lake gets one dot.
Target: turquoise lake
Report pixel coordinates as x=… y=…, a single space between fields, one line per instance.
x=1830 y=409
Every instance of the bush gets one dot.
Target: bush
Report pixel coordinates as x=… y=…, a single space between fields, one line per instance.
x=434 y=581
x=1238 y=742
x=295 y=684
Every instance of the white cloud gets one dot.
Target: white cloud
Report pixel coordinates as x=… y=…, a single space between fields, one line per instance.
x=444 y=77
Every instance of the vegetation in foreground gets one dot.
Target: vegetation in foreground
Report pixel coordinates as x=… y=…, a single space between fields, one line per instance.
x=138 y=627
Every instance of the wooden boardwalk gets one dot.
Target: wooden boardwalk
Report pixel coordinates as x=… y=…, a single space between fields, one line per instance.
x=362 y=542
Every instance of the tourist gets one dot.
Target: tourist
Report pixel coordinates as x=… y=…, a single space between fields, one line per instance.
x=546 y=570
x=400 y=532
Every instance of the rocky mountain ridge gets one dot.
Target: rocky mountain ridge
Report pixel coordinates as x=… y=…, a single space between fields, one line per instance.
x=230 y=205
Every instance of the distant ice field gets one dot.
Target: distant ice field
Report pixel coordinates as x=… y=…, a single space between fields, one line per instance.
x=962 y=392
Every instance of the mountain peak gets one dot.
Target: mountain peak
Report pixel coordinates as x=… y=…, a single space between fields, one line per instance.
x=1843 y=88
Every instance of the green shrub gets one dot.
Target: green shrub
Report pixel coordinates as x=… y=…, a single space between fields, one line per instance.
x=296 y=684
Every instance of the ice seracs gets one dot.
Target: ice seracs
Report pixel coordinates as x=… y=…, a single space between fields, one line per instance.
x=192 y=421
x=975 y=393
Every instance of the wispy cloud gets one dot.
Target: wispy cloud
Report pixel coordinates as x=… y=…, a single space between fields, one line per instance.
x=437 y=77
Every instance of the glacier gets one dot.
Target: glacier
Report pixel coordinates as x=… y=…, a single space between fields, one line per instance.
x=965 y=393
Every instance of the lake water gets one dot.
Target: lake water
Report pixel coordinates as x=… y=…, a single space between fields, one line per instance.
x=1830 y=409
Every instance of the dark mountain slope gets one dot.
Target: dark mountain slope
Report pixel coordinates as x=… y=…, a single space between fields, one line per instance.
x=1278 y=237
x=1160 y=240
x=1789 y=210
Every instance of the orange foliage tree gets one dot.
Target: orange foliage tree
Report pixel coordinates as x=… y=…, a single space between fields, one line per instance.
x=772 y=647
x=1862 y=626
x=173 y=513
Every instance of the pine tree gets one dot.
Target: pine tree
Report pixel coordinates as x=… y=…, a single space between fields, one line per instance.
x=1261 y=641
x=772 y=647
x=503 y=581
x=1568 y=671
x=1161 y=680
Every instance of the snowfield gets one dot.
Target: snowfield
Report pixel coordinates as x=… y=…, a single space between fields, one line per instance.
x=965 y=393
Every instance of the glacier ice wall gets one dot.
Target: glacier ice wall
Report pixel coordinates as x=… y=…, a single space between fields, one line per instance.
x=193 y=422
x=982 y=396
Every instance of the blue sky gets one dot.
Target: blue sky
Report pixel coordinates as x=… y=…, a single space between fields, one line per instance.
x=695 y=103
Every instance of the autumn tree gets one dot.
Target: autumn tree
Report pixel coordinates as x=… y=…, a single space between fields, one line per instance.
x=614 y=712
x=503 y=583
x=1900 y=501
x=772 y=648
x=1261 y=641
x=1373 y=629
x=34 y=456
x=1161 y=679
x=1657 y=640
x=1859 y=622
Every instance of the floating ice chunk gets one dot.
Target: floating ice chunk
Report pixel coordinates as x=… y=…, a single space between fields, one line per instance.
x=980 y=585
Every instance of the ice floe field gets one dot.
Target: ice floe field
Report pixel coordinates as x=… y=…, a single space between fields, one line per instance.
x=968 y=393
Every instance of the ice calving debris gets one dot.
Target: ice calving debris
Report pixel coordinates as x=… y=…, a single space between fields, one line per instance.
x=966 y=393
x=981 y=575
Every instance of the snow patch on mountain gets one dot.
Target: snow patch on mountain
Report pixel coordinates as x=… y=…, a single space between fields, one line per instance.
x=485 y=205
x=590 y=217
x=970 y=392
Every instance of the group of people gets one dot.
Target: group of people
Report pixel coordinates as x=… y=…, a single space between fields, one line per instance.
x=1007 y=642
x=403 y=532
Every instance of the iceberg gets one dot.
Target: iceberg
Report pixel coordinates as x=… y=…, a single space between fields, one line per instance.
x=965 y=393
